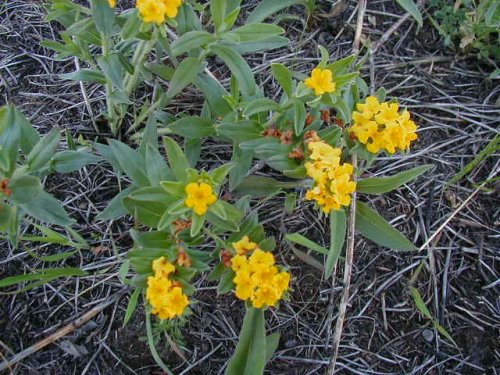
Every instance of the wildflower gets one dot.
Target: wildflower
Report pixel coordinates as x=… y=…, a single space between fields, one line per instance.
x=165 y=296
x=162 y=267
x=286 y=138
x=156 y=11
x=321 y=81
x=332 y=180
x=297 y=154
x=4 y=187
x=183 y=258
x=309 y=119
x=380 y=126
x=112 y=3
x=244 y=245
x=199 y=197
x=180 y=225
x=258 y=279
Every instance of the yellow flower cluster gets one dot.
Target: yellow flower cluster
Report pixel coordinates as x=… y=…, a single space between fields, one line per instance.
x=380 y=126
x=321 y=81
x=156 y=11
x=257 y=278
x=112 y=3
x=199 y=197
x=164 y=295
x=332 y=180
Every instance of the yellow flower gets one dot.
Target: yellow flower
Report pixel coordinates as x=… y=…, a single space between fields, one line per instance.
x=112 y=3
x=388 y=113
x=162 y=267
x=265 y=295
x=238 y=262
x=244 y=245
x=264 y=274
x=379 y=126
x=260 y=257
x=244 y=285
x=158 y=288
x=332 y=180
x=199 y=197
x=281 y=282
x=156 y=11
x=321 y=81
x=172 y=7
x=177 y=301
x=257 y=278
x=152 y=11
x=165 y=297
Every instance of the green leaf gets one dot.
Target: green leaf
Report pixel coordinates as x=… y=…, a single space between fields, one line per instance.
x=85 y=75
x=151 y=344
x=272 y=342
x=24 y=188
x=115 y=208
x=131 y=306
x=161 y=70
x=104 y=16
x=113 y=69
x=176 y=158
x=9 y=141
x=249 y=357
x=260 y=105
x=43 y=151
x=131 y=161
x=341 y=66
x=238 y=67
x=243 y=160
x=257 y=187
x=284 y=77
x=191 y=41
x=303 y=241
x=193 y=127
x=268 y=7
x=156 y=166
x=48 y=209
x=29 y=136
x=70 y=161
x=299 y=117
x=132 y=26
x=197 y=222
x=338 y=226
x=374 y=227
x=264 y=45
x=226 y=283
x=218 y=11
x=184 y=74
x=411 y=7
x=148 y=205
x=219 y=174
x=257 y=32
x=174 y=188
x=419 y=302
x=380 y=185
x=240 y=131
x=50 y=273
x=214 y=94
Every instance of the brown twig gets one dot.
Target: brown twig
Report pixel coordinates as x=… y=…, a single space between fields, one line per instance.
x=351 y=231
x=60 y=333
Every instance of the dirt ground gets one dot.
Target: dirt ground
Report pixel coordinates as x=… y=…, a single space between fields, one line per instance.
x=457 y=108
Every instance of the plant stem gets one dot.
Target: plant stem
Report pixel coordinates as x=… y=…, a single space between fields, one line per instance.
x=351 y=232
x=109 y=88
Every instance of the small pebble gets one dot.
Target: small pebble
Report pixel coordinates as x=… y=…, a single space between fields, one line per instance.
x=428 y=335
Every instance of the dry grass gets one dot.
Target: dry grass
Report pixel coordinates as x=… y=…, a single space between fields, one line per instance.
x=457 y=109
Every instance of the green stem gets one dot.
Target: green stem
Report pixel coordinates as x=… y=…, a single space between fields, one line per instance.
x=109 y=87
x=140 y=54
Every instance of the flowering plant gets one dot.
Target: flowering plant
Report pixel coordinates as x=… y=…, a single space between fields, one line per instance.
x=322 y=135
